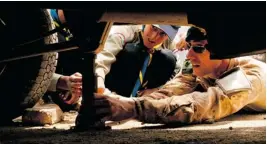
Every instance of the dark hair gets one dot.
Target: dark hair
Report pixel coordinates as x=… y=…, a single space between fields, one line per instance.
x=175 y=27
x=196 y=33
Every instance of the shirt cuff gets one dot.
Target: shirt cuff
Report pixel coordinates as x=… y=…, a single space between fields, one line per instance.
x=53 y=84
x=100 y=82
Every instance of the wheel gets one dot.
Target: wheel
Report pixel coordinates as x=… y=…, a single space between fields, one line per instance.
x=24 y=82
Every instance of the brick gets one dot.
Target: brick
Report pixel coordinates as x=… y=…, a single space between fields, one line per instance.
x=42 y=115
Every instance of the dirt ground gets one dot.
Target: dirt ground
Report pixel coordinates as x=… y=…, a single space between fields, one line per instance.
x=239 y=128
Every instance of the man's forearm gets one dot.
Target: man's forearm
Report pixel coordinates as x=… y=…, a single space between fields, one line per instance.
x=168 y=110
x=196 y=107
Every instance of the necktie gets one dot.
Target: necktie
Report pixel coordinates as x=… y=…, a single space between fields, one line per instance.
x=139 y=81
x=54 y=15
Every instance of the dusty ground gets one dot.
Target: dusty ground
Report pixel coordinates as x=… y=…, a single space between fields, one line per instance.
x=239 y=128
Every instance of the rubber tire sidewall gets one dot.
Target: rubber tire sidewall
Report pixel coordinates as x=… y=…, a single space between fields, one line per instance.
x=24 y=82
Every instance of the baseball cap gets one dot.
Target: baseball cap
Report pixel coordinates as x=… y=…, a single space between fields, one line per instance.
x=170 y=30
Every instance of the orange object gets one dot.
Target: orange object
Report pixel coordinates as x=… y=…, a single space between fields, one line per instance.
x=100 y=90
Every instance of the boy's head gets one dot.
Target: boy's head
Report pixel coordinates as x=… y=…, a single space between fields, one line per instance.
x=198 y=53
x=155 y=34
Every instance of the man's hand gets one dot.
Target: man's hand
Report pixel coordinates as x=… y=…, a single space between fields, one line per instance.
x=114 y=109
x=75 y=86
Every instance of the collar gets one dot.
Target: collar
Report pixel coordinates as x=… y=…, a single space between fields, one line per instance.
x=224 y=66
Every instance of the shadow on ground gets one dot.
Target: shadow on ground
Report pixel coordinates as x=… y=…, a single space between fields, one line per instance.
x=235 y=129
x=239 y=135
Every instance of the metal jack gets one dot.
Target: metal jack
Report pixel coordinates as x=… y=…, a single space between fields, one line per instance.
x=86 y=119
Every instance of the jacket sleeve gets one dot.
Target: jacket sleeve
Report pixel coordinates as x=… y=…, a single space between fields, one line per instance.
x=117 y=38
x=53 y=84
x=179 y=85
x=197 y=107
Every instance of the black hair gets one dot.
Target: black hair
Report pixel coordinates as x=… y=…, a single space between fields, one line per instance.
x=175 y=27
x=196 y=34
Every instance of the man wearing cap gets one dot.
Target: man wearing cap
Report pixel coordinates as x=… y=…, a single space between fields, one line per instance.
x=215 y=89
x=135 y=58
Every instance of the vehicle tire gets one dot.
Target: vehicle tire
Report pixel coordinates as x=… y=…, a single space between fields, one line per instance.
x=23 y=82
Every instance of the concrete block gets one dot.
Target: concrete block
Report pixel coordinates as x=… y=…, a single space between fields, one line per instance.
x=42 y=114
